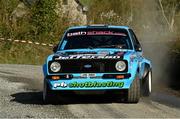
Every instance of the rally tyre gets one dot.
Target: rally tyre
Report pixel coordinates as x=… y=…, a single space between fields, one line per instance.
x=133 y=95
x=49 y=97
x=147 y=84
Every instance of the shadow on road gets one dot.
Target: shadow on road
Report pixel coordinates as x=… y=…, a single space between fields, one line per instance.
x=28 y=98
x=36 y=98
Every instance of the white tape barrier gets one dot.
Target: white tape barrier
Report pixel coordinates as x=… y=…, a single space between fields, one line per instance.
x=51 y=45
x=27 y=42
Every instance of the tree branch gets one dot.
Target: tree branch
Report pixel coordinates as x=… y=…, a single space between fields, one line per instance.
x=163 y=13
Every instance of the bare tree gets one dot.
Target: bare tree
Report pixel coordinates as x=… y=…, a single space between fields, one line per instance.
x=172 y=13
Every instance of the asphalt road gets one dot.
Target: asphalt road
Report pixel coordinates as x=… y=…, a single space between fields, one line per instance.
x=21 y=97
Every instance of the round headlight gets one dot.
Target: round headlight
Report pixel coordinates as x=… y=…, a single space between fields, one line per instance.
x=120 y=66
x=55 y=67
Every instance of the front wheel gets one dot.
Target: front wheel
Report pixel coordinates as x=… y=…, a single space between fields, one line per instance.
x=147 y=84
x=133 y=94
x=48 y=95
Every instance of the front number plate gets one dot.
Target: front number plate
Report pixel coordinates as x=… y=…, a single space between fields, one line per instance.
x=91 y=75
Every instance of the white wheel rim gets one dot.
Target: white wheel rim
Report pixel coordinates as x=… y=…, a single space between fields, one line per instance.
x=150 y=81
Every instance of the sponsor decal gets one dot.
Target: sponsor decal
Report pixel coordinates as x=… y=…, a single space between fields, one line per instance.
x=90 y=84
x=96 y=84
x=80 y=33
x=63 y=85
x=87 y=57
x=90 y=33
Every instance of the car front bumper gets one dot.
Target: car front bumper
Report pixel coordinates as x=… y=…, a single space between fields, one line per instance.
x=90 y=83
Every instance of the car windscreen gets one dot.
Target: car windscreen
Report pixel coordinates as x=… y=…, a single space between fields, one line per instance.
x=96 y=38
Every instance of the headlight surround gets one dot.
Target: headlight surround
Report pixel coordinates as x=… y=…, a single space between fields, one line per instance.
x=120 y=66
x=55 y=67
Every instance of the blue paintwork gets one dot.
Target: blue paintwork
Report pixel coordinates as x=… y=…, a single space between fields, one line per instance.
x=136 y=62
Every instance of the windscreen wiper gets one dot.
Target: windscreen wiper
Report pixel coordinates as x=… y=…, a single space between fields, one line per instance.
x=112 y=46
x=90 y=47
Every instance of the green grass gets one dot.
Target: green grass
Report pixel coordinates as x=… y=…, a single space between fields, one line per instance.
x=86 y=2
x=12 y=53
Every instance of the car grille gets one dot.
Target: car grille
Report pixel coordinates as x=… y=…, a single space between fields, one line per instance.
x=88 y=66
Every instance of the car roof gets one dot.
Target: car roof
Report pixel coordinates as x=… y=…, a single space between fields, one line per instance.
x=99 y=26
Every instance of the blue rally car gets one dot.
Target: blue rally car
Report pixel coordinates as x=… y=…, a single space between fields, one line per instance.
x=98 y=58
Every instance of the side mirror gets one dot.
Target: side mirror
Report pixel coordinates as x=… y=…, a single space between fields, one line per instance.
x=138 y=48
x=55 y=48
